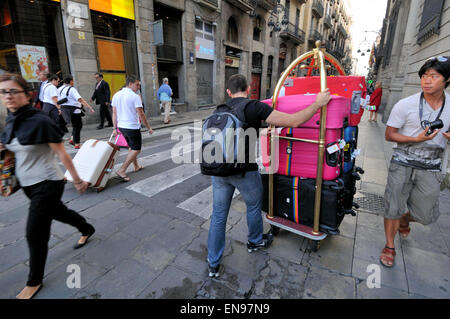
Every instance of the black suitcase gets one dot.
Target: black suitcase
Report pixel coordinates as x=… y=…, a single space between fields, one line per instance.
x=294 y=199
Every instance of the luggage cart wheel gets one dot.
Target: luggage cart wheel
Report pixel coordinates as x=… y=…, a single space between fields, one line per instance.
x=274 y=230
x=314 y=245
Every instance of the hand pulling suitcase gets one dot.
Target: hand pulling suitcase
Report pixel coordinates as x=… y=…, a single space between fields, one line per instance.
x=300 y=158
x=337 y=110
x=294 y=200
x=94 y=163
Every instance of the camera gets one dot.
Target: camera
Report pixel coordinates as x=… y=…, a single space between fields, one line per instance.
x=434 y=126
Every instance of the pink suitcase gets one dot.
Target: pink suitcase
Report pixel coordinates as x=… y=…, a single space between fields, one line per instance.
x=338 y=109
x=300 y=158
x=120 y=140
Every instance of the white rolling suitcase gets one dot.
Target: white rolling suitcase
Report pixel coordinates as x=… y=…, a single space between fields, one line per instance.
x=94 y=163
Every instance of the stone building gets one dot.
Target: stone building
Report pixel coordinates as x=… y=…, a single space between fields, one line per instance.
x=413 y=31
x=197 y=44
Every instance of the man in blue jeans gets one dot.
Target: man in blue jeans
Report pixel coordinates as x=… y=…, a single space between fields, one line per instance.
x=248 y=184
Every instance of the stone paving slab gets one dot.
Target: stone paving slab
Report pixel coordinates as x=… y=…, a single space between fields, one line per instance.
x=55 y=286
x=427 y=272
x=12 y=281
x=336 y=253
x=173 y=283
x=392 y=278
x=325 y=284
x=363 y=292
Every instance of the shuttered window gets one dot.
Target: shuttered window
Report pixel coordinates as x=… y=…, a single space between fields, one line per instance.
x=431 y=19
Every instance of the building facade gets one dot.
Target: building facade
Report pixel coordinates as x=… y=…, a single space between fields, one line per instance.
x=196 y=44
x=413 y=31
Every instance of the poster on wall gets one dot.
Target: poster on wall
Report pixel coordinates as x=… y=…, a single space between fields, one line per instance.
x=32 y=60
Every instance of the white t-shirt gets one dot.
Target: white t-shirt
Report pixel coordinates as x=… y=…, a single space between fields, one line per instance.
x=405 y=116
x=126 y=103
x=72 y=98
x=49 y=91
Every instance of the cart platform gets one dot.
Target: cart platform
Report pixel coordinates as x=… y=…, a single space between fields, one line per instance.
x=298 y=229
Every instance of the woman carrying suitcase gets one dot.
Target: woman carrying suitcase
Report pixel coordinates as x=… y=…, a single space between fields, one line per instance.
x=72 y=110
x=36 y=140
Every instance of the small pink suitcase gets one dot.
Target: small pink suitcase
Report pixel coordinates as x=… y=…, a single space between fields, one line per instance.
x=338 y=109
x=300 y=158
x=120 y=140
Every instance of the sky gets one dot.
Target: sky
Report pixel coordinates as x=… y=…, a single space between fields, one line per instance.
x=367 y=15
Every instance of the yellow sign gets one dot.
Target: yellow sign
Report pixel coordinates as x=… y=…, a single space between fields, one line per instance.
x=121 y=8
x=81 y=35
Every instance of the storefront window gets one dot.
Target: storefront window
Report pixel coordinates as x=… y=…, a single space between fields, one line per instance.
x=115 y=41
x=32 y=38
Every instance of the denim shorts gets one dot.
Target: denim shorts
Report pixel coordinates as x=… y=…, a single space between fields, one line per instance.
x=413 y=190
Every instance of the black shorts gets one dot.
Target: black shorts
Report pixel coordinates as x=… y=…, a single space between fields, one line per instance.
x=133 y=138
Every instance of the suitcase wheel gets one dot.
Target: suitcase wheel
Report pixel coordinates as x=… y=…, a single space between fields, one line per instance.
x=274 y=230
x=314 y=245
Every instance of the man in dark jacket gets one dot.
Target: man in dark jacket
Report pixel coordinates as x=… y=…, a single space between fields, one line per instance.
x=102 y=96
x=43 y=77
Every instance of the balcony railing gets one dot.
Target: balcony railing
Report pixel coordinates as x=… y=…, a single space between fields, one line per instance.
x=317 y=8
x=293 y=32
x=314 y=35
x=341 y=29
x=167 y=52
x=268 y=4
x=327 y=21
x=244 y=5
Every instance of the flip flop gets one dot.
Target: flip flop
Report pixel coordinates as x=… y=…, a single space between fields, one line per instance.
x=139 y=169
x=124 y=179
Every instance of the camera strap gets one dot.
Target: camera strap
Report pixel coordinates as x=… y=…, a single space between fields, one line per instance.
x=421 y=108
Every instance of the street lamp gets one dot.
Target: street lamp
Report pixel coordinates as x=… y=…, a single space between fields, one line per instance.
x=273 y=23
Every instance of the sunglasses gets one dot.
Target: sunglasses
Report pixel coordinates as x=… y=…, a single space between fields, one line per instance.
x=11 y=92
x=439 y=58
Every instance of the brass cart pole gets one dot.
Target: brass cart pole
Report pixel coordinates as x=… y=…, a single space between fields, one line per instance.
x=320 y=57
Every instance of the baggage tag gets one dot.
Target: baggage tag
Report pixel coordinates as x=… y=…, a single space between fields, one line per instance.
x=356 y=153
x=333 y=149
x=342 y=144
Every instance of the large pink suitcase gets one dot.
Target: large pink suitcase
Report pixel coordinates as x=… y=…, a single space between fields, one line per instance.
x=338 y=109
x=300 y=158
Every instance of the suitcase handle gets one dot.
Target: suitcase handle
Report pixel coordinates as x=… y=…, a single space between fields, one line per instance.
x=111 y=137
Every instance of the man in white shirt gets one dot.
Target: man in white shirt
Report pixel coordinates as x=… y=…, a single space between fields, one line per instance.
x=50 y=99
x=127 y=111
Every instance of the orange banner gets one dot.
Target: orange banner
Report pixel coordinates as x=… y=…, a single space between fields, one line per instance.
x=110 y=54
x=121 y=8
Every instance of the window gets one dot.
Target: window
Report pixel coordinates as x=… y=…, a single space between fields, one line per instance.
x=431 y=19
x=258 y=29
x=204 y=30
x=232 y=31
x=199 y=25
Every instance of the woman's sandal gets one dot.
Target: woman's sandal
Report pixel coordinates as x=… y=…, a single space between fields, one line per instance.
x=387 y=257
